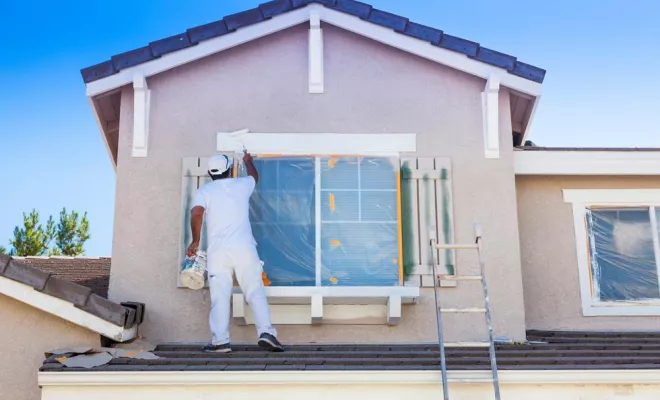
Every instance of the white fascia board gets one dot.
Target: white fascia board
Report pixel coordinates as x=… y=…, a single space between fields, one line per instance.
x=201 y=50
x=426 y=50
x=586 y=163
x=317 y=143
x=307 y=378
x=623 y=197
x=65 y=310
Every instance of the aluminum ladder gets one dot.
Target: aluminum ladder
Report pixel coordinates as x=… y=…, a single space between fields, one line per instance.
x=486 y=310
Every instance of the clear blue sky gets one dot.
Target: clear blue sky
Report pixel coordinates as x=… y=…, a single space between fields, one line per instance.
x=601 y=88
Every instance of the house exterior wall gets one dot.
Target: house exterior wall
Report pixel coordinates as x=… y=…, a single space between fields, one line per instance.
x=548 y=251
x=26 y=334
x=369 y=88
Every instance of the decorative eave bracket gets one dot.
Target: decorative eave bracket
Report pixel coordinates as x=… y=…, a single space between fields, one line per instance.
x=141 y=97
x=491 y=121
x=315 y=53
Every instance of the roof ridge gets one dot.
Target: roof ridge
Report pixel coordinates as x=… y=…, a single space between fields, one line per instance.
x=232 y=23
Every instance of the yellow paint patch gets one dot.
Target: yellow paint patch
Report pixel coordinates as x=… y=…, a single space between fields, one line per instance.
x=335 y=242
x=332 y=162
x=132 y=353
x=395 y=261
x=333 y=280
x=332 y=202
x=61 y=359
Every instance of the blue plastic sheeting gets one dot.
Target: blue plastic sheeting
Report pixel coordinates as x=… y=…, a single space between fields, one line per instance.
x=623 y=257
x=358 y=221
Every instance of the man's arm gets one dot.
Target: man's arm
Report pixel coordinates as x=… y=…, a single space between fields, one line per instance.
x=249 y=166
x=196 y=220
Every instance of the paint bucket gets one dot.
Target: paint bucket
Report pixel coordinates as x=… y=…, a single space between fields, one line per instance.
x=194 y=270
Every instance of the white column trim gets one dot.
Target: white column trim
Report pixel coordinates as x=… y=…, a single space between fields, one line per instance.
x=315 y=53
x=491 y=116
x=141 y=97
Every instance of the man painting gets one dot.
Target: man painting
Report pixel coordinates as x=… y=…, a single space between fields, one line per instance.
x=232 y=249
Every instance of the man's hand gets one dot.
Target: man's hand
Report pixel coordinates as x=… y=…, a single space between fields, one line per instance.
x=247 y=157
x=192 y=249
x=249 y=166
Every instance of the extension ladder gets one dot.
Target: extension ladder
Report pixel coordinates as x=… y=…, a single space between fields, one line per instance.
x=486 y=310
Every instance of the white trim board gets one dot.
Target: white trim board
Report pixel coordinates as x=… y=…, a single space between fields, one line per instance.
x=317 y=143
x=586 y=162
x=281 y=378
x=348 y=22
x=65 y=310
x=581 y=199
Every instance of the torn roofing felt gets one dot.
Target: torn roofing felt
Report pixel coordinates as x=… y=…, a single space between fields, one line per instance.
x=80 y=296
x=366 y=12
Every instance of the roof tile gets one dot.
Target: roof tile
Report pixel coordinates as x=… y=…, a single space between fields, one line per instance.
x=67 y=291
x=300 y=3
x=93 y=273
x=495 y=58
x=98 y=71
x=275 y=7
x=4 y=262
x=530 y=72
x=423 y=32
x=105 y=309
x=132 y=58
x=454 y=43
x=388 y=20
x=170 y=44
x=208 y=31
x=26 y=274
x=353 y=7
x=242 y=19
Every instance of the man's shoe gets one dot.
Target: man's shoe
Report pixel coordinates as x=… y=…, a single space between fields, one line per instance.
x=217 y=348
x=269 y=342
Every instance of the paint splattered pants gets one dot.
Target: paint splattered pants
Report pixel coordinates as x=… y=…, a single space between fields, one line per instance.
x=245 y=262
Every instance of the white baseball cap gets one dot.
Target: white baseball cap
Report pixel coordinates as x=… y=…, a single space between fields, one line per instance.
x=219 y=164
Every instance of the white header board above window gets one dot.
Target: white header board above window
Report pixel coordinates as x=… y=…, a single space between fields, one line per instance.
x=317 y=143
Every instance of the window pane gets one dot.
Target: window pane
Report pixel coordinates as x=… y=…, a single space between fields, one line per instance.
x=359 y=230
x=622 y=254
x=283 y=222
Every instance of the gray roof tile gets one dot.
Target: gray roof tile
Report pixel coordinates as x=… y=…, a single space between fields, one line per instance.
x=67 y=291
x=301 y=3
x=243 y=19
x=454 y=43
x=353 y=7
x=170 y=44
x=208 y=31
x=423 y=32
x=495 y=58
x=275 y=7
x=4 y=262
x=31 y=276
x=530 y=72
x=132 y=58
x=98 y=71
x=388 y=20
x=105 y=309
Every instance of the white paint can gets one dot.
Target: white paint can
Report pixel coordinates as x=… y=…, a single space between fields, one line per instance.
x=193 y=272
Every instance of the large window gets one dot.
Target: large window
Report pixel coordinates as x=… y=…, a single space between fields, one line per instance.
x=620 y=263
x=327 y=221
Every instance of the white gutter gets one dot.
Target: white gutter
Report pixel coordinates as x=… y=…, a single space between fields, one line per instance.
x=279 y=378
x=553 y=162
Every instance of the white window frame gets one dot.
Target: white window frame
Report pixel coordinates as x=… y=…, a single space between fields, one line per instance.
x=583 y=199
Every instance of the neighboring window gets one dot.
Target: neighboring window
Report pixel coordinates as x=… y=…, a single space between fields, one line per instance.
x=618 y=250
x=327 y=221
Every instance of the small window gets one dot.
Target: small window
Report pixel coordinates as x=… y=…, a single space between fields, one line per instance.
x=327 y=221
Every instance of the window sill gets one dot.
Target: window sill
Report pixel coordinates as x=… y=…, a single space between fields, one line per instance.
x=621 y=309
x=356 y=305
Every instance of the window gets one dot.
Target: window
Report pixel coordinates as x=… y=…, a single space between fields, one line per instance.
x=619 y=258
x=327 y=221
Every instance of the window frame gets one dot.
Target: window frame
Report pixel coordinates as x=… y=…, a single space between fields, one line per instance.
x=584 y=199
x=318 y=192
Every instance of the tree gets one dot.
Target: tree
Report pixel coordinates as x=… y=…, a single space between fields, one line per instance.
x=71 y=234
x=33 y=239
x=3 y=250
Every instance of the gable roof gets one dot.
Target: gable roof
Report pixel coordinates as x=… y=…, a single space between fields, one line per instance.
x=366 y=12
x=90 y=272
x=45 y=290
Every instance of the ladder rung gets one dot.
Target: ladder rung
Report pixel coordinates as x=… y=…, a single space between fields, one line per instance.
x=455 y=246
x=467 y=344
x=460 y=278
x=464 y=310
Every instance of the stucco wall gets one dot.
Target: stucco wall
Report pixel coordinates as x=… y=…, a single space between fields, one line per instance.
x=547 y=241
x=262 y=85
x=26 y=334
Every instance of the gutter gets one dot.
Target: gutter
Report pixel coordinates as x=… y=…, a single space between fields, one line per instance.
x=310 y=378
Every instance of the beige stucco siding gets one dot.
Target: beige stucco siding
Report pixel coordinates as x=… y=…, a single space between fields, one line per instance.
x=262 y=85
x=548 y=248
x=26 y=334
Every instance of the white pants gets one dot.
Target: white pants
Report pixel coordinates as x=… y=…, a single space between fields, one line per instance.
x=245 y=262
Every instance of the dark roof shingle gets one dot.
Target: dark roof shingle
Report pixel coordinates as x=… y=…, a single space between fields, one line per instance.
x=366 y=12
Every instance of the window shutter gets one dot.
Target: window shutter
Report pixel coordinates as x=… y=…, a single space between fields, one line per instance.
x=426 y=199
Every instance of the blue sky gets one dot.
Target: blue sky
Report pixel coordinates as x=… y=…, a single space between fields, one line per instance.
x=601 y=88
